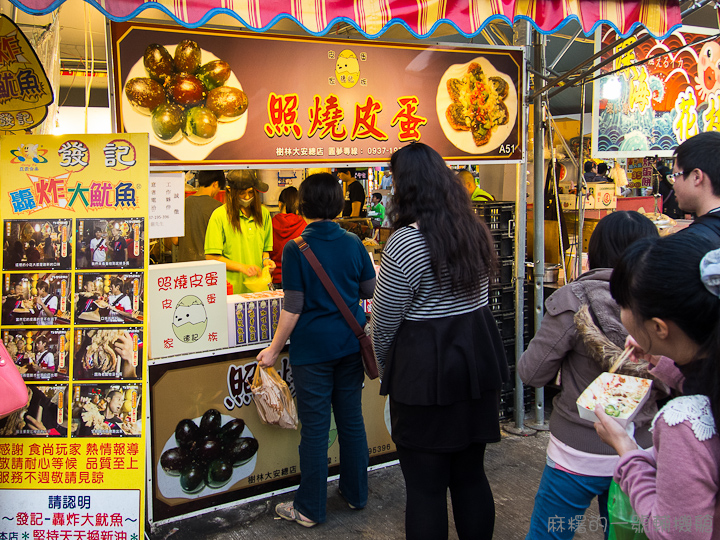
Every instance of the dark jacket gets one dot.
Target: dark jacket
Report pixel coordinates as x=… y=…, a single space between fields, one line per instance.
x=558 y=346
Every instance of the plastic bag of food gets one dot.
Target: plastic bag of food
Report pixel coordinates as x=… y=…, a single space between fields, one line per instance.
x=261 y=282
x=624 y=522
x=272 y=397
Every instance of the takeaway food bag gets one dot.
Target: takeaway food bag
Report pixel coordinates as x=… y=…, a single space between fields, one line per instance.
x=274 y=402
x=624 y=522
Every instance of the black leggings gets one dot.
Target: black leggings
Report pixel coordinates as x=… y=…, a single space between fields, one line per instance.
x=427 y=479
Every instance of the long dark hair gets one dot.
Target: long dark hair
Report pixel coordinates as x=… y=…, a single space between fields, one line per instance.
x=232 y=199
x=660 y=277
x=429 y=193
x=289 y=197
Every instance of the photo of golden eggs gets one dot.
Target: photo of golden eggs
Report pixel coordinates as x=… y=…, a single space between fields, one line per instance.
x=347 y=69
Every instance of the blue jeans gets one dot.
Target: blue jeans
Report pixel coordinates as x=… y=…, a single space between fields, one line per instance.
x=561 y=501
x=318 y=386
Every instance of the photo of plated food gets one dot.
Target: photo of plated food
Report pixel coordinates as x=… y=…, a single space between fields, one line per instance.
x=214 y=451
x=476 y=106
x=189 y=99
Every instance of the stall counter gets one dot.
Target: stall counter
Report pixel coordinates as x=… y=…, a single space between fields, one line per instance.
x=185 y=387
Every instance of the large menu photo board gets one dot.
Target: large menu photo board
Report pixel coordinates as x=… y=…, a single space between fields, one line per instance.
x=211 y=97
x=73 y=211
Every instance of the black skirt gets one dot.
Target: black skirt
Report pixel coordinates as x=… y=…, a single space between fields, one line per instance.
x=446 y=360
x=446 y=428
x=444 y=378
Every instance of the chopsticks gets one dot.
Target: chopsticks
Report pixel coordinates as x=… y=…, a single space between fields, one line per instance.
x=624 y=356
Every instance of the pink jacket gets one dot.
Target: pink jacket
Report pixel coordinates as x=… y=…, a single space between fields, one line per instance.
x=674 y=488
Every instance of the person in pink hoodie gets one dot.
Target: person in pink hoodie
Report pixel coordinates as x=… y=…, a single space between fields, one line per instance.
x=668 y=290
x=287 y=225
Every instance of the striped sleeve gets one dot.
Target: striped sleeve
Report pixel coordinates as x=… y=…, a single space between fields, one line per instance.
x=391 y=301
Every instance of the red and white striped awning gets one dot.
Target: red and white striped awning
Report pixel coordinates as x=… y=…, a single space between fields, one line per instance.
x=420 y=17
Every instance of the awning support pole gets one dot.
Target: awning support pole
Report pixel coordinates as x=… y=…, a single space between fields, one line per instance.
x=565 y=48
x=581 y=188
x=521 y=37
x=538 y=213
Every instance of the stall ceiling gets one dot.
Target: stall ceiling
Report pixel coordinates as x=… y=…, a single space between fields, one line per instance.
x=82 y=35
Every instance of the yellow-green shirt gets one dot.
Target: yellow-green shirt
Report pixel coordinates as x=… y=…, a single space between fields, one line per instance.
x=245 y=246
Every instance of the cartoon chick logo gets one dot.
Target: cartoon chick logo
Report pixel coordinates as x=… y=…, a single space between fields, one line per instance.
x=26 y=153
x=347 y=69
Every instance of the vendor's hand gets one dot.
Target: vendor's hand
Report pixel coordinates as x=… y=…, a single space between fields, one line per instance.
x=270 y=264
x=637 y=354
x=612 y=433
x=124 y=348
x=267 y=358
x=249 y=270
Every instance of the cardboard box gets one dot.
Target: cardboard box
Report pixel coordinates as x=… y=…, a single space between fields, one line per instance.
x=604 y=195
x=599 y=196
x=569 y=202
x=253 y=317
x=599 y=390
x=187 y=308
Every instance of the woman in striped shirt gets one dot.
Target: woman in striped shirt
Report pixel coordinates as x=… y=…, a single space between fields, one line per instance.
x=438 y=347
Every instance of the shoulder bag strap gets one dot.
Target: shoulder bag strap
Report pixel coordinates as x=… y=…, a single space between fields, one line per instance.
x=330 y=287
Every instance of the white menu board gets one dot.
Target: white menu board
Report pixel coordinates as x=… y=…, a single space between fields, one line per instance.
x=166 y=205
x=188 y=306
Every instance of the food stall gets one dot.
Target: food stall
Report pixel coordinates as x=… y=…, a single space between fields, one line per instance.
x=335 y=108
x=331 y=110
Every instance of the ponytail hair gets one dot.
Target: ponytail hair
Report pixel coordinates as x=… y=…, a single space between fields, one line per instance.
x=660 y=277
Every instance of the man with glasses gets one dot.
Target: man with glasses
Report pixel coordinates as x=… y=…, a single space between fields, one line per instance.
x=696 y=174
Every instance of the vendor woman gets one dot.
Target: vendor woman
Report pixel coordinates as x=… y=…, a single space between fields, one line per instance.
x=240 y=232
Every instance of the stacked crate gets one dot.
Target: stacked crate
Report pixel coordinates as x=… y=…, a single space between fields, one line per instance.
x=500 y=218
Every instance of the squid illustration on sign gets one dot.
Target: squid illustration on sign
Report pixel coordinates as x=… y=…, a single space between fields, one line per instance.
x=25 y=91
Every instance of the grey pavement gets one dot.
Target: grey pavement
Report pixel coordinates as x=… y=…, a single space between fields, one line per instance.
x=514 y=466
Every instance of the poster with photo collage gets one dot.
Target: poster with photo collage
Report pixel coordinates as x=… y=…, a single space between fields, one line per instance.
x=74 y=215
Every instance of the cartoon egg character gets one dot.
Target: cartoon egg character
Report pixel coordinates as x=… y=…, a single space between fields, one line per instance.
x=190 y=319
x=708 y=77
x=347 y=69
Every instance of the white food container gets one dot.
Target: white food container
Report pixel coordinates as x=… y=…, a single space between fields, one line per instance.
x=606 y=385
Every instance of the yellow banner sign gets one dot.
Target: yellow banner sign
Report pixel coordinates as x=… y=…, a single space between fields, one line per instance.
x=73 y=213
x=25 y=91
